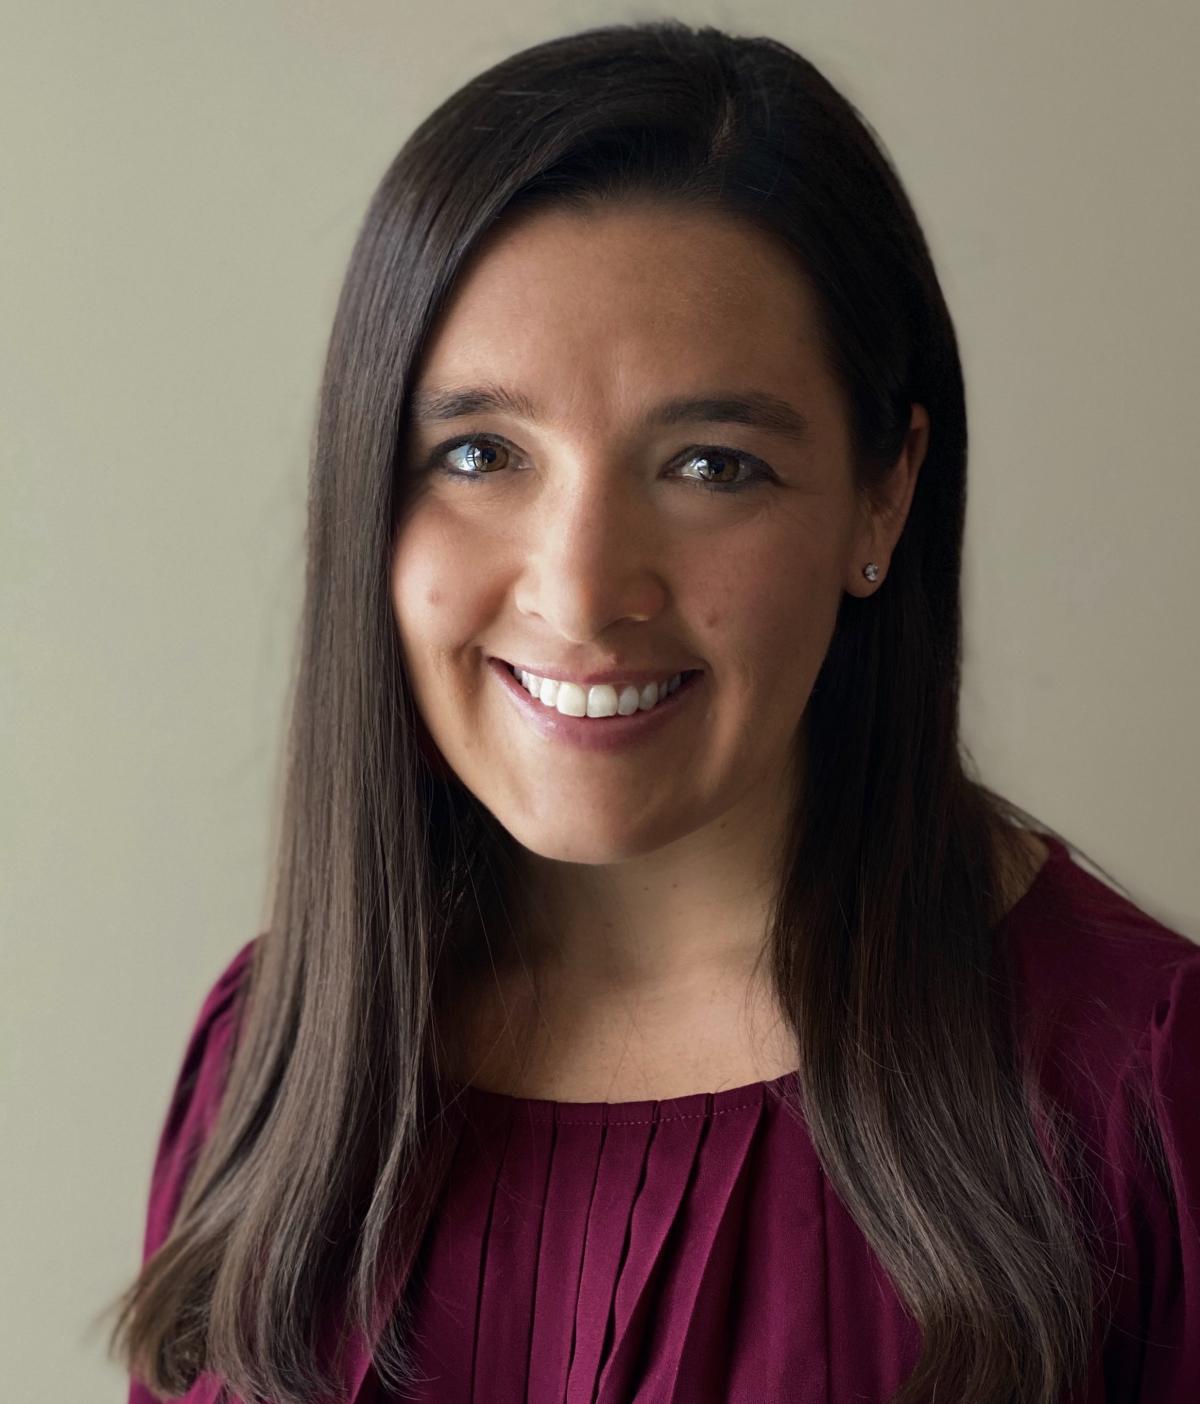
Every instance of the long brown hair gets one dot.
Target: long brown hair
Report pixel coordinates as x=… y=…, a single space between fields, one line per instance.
x=390 y=876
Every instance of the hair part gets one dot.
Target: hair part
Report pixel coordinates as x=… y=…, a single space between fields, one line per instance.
x=326 y=1157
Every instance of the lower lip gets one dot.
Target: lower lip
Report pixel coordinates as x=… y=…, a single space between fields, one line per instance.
x=597 y=733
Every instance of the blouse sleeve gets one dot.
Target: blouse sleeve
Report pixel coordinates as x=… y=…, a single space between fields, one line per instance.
x=1152 y=1352
x=191 y=1112
x=194 y=1101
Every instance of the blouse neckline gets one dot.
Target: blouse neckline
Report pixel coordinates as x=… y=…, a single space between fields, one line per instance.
x=727 y=1099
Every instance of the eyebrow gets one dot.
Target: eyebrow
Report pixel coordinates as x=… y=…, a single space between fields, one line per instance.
x=755 y=408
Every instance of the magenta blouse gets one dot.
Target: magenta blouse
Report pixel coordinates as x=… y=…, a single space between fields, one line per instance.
x=691 y=1250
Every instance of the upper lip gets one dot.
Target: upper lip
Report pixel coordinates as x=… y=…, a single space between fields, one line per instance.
x=600 y=675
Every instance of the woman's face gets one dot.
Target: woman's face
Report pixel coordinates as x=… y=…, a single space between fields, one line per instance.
x=588 y=539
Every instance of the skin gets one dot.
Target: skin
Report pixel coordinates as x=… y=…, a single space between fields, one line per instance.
x=645 y=873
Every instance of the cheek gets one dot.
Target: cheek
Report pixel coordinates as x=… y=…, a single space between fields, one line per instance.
x=437 y=590
x=771 y=612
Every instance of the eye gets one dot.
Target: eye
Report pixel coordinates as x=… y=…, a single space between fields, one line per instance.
x=722 y=460
x=486 y=455
x=478 y=461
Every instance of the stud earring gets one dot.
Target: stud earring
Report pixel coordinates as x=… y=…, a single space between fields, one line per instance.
x=871 y=571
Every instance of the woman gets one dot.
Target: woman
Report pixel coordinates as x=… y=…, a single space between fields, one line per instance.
x=654 y=1008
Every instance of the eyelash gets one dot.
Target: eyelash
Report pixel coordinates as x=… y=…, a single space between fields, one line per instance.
x=760 y=471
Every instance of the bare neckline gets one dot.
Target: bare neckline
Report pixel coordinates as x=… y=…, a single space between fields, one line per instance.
x=690 y=1104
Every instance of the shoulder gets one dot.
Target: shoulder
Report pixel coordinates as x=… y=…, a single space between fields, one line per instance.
x=220 y=998
x=211 y=1033
x=195 y=1095
x=1106 y=1007
x=1094 y=975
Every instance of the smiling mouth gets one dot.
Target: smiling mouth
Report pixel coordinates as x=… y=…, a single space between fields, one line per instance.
x=611 y=702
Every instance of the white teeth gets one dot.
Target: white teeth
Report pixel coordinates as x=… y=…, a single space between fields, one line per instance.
x=601 y=699
x=628 y=701
x=572 y=699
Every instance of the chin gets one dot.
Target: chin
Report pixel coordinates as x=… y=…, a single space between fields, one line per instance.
x=587 y=843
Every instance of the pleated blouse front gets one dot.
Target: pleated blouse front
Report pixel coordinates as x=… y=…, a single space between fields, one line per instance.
x=673 y=1250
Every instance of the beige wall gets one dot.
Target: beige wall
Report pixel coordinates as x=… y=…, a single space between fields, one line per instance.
x=179 y=188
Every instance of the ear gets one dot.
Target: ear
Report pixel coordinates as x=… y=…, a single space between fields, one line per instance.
x=885 y=509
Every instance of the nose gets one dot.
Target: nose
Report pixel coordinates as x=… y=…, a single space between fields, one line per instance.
x=593 y=557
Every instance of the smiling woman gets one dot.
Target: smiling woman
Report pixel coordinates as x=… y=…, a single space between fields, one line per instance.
x=655 y=1010
x=592 y=539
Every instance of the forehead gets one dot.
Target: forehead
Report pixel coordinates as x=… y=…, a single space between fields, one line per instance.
x=624 y=304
